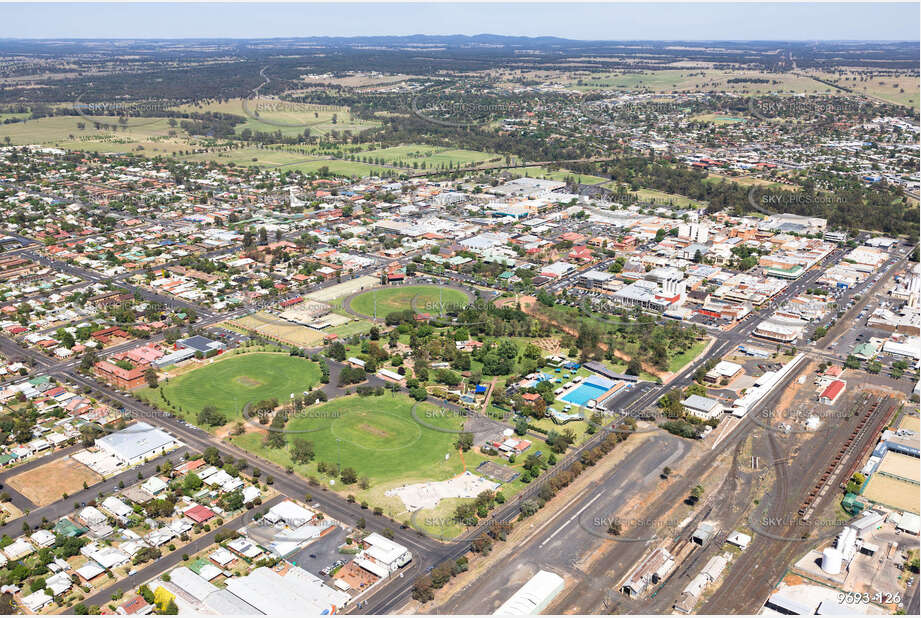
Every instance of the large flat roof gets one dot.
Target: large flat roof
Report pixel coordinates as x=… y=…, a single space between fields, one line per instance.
x=135 y=440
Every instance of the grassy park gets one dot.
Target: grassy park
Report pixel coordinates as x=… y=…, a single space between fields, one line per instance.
x=376 y=436
x=231 y=383
x=421 y=298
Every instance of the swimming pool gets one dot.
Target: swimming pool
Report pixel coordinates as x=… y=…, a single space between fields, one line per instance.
x=586 y=391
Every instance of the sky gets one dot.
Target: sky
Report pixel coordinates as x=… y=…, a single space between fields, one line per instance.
x=649 y=21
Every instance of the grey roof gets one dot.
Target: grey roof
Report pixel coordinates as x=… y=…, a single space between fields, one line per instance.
x=136 y=440
x=789 y=605
x=225 y=603
x=199 y=343
x=696 y=402
x=192 y=583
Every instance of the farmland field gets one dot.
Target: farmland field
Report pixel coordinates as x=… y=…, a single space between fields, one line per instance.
x=697 y=80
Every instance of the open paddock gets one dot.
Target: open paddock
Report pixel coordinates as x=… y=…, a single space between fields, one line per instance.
x=49 y=482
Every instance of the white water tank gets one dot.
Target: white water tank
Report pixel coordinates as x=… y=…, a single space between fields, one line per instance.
x=831 y=560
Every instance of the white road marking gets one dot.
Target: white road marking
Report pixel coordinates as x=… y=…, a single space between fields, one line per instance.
x=569 y=521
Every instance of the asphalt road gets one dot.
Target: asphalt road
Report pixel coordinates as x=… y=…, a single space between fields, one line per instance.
x=168 y=561
x=577 y=528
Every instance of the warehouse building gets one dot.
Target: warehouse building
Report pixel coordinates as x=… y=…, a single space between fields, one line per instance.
x=533 y=597
x=136 y=443
x=271 y=593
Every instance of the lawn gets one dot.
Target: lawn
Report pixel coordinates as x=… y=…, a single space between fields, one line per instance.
x=660 y=197
x=421 y=298
x=376 y=436
x=561 y=175
x=231 y=383
x=680 y=360
x=432 y=157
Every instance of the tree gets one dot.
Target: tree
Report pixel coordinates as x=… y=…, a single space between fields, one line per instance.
x=422 y=589
x=212 y=457
x=302 y=451
x=349 y=476
x=232 y=501
x=634 y=367
x=209 y=415
x=192 y=482
x=150 y=374
x=336 y=351
x=464 y=441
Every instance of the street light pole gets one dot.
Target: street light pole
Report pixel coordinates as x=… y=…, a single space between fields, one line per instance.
x=339 y=456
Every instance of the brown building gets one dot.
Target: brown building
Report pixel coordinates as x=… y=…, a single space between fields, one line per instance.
x=117 y=376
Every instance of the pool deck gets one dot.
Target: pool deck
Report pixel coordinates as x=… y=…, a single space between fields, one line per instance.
x=598 y=400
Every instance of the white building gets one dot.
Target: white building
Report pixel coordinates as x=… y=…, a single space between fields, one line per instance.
x=533 y=597
x=136 y=443
x=383 y=556
x=695 y=232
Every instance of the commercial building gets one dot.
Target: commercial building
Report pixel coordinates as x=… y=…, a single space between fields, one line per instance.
x=382 y=556
x=724 y=370
x=831 y=393
x=136 y=443
x=200 y=344
x=118 y=376
x=702 y=407
x=295 y=591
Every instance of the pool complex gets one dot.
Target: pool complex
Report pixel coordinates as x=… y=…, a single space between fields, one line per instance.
x=592 y=388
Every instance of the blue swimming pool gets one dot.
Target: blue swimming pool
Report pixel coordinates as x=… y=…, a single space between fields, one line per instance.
x=586 y=391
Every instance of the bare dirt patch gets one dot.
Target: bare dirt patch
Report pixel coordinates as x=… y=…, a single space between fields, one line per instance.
x=376 y=431
x=247 y=381
x=46 y=484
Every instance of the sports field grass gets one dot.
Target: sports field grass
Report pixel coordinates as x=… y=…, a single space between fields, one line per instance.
x=231 y=383
x=746 y=181
x=561 y=175
x=422 y=298
x=376 y=436
x=267 y=115
x=432 y=157
x=660 y=197
x=718 y=119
